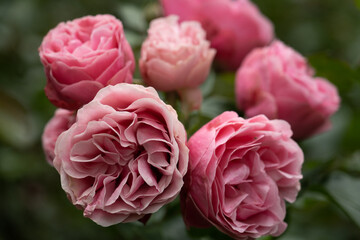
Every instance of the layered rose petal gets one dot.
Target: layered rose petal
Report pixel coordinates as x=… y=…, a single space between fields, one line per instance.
x=82 y=56
x=277 y=81
x=234 y=28
x=60 y=122
x=240 y=174
x=124 y=157
x=175 y=56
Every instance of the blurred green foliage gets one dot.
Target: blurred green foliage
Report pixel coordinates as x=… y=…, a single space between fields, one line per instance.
x=32 y=203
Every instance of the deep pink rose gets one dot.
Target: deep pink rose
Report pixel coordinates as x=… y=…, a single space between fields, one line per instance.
x=234 y=28
x=124 y=157
x=277 y=81
x=175 y=56
x=60 y=122
x=240 y=173
x=82 y=56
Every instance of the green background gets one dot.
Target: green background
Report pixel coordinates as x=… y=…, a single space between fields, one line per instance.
x=32 y=203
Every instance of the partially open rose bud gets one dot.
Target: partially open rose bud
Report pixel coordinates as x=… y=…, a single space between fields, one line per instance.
x=176 y=57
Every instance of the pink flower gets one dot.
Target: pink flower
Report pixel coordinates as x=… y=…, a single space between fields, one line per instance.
x=82 y=56
x=124 y=157
x=59 y=123
x=240 y=173
x=175 y=56
x=276 y=81
x=234 y=28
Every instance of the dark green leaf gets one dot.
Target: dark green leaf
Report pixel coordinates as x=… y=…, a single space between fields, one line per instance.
x=337 y=72
x=215 y=105
x=325 y=146
x=344 y=190
x=208 y=86
x=313 y=217
x=225 y=85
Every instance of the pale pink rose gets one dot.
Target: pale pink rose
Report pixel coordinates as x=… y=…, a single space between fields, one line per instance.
x=241 y=171
x=176 y=56
x=234 y=28
x=124 y=157
x=82 y=56
x=277 y=81
x=59 y=123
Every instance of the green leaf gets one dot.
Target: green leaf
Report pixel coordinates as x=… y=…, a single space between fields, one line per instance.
x=208 y=86
x=196 y=121
x=215 y=105
x=326 y=145
x=357 y=3
x=174 y=229
x=225 y=85
x=135 y=40
x=351 y=164
x=351 y=138
x=345 y=191
x=313 y=217
x=336 y=71
x=132 y=17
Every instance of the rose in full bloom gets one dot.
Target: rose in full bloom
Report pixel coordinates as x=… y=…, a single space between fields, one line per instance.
x=175 y=56
x=241 y=171
x=59 y=123
x=234 y=28
x=82 y=56
x=124 y=157
x=278 y=82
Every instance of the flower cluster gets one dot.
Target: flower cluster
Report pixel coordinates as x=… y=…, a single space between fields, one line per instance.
x=121 y=151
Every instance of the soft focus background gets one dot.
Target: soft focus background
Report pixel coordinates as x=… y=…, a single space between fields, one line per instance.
x=32 y=203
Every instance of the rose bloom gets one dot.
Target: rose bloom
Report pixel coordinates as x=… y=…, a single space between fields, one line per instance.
x=277 y=81
x=124 y=157
x=234 y=28
x=175 y=55
x=240 y=173
x=60 y=122
x=82 y=56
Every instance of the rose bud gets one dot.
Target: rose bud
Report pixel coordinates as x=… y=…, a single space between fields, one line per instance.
x=60 y=122
x=234 y=28
x=241 y=171
x=124 y=157
x=82 y=56
x=176 y=57
x=277 y=81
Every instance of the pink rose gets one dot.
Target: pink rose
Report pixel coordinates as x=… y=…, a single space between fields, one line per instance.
x=277 y=81
x=82 y=56
x=175 y=56
x=124 y=157
x=60 y=122
x=234 y=28
x=240 y=173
